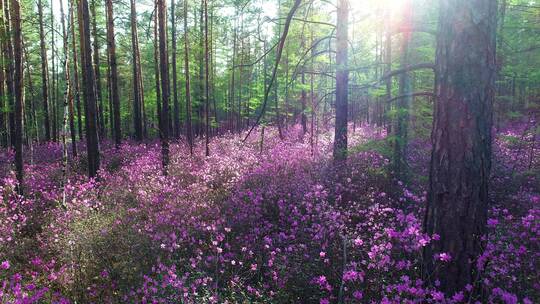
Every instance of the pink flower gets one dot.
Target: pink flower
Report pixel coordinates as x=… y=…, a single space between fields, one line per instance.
x=322 y=254
x=5 y=265
x=358 y=242
x=445 y=257
x=357 y=295
x=324 y=301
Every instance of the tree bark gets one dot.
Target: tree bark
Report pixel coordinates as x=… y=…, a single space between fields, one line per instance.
x=92 y=139
x=461 y=156
x=44 y=73
x=9 y=71
x=18 y=90
x=189 y=129
x=111 y=48
x=207 y=83
x=137 y=81
x=77 y=93
x=54 y=85
x=164 y=73
x=342 y=82
x=176 y=115
x=99 y=94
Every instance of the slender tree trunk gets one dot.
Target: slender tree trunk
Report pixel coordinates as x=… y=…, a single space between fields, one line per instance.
x=111 y=48
x=164 y=73
x=4 y=127
x=67 y=97
x=387 y=70
x=76 y=83
x=18 y=90
x=92 y=139
x=44 y=73
x=188 y=86
x=461 y=156
x=137 y=91
x=176 y=116
x=54 y=85
x=233 y=69
x=9 y=71
x=99 y=94
x=207 y=83
x=156 y=67
x=342 y=81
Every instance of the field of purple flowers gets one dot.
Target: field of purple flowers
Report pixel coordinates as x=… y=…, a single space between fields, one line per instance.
x=260 y=222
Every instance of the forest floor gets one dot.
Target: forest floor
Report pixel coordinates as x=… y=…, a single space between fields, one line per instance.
x=270 y=222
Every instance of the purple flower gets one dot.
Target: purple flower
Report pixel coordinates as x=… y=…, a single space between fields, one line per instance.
x=5 y=265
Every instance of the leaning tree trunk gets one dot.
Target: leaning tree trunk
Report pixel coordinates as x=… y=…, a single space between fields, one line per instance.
x=92 y=140
x=461 y=138
x=18 y=89
x=342 y=82
x=111 y=47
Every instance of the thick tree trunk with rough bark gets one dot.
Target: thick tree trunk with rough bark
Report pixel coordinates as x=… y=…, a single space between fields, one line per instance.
x=342 y=81
x=461 y=137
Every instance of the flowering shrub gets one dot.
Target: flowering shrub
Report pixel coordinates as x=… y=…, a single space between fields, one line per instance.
x=279 y=224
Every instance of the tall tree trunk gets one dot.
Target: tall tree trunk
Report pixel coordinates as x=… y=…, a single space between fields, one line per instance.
x=3 y=119
x=54 y=85
x=176 y=116
x=18 y=90
x=111 y=48
x=201 y=69
x=44 y=73
x=9 y=71
x=137 y=90
x=68 y=95
x=461 y=156
x=76 y=83
x=92 y=139
x=164 y=73
x=189 y=129
x=342 y=81
x=387 y=70
x=207 y=83
x=99 y=94
x=156 y=67
x=233 y=69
